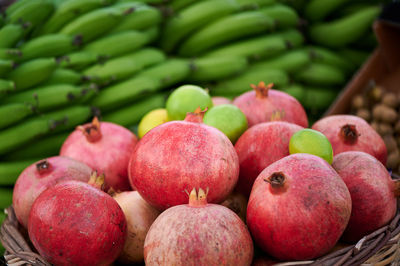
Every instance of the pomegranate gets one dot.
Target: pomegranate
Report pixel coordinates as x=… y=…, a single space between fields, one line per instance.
x=352 y=133
x=258 y=147
x=75 y=223
x=298 y=207
x=373 y=192
x=198 y=233
x=218 y=100
x=104 y=146
x=265 y=104
x=178 y=155
x=237 y=203
x=139 y=217
x=41 y=175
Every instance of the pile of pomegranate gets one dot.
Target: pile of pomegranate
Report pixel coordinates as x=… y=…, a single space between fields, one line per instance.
x=184 y=194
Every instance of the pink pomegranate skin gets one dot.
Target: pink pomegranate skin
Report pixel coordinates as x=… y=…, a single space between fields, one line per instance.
x=176 y=156
x=265 y=104
x=108 y=154
x=41 y=175
x=364 y=138
x=372 y=193
x=218 y=100
x=298 y=208
x=258 y=147
x=74 y=223
x=206 y=234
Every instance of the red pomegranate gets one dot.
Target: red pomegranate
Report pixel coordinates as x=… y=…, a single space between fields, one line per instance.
x=198 y=234
x=298 y=208
x=258 y=147
x=104 y=146
x=373 y=193
x=75 y=223
x=41 y=175
x=265 y=104
x=176 y=156
x=352 y=133
x=218 y=100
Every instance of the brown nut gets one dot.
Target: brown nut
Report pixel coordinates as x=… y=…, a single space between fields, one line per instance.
x=390 y=143
x=358 y=102
x=397 y=127
x=385 y=129
x=375 y=125
x=390 y=100
x=376 y=93
x=393 y=160
x=377 y=112
x=383 y=113
x=364 y=113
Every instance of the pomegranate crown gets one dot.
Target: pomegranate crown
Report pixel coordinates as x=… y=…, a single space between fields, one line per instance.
x=349 y=134
x=196 y=116
x=262 y=89
x=43 y=166
x=91 y=131
x=198 y=198
x=97 y=181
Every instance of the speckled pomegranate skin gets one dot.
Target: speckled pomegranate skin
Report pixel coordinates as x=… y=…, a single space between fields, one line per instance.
x=31 y=182
x=109 y=155
x=177 y=156
x=372 y=193
x=209 y=235
x=368 y=140
x=305 y=217
x=74 y=223
x=258 y=147
x=277 y=106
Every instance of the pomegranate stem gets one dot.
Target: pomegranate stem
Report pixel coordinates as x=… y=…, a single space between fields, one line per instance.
x=276 y=179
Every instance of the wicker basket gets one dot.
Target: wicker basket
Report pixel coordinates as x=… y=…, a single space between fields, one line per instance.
x=382 y=247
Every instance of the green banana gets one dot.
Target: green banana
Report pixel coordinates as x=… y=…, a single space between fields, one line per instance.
x=79 y=60
x=194 y=17
x=9 y=171
x=14 y=6
x=367 y=42
x=357 y=57
x=14 y=112
x=64 y=76
x=317 y=10
x=320 y=75
x=240 y=84
x=217 y=68
x=226 y=29
x=178 y=5
x=6 y=66
x=6 y=196
x=11 y=34
x=41 y=148
x=6 y=87
x=58 y=121
x=261 y=47
x=254 y=4
x=68 y=11
x=124 y=66
x=132 y=113
x=285 y=17
x=290 y=62
x=323 y=55
x=32 y=72
x=344 y=31
x=319 y=98
x=33 y=12
x=143 y=17
x=295 y=90
x=95 y=23
x=10 y=54
x=121 y=43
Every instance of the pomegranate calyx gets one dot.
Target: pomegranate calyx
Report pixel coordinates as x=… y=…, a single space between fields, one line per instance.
x=276 y=179
x=197 y=199
x=43 y=166
x=349 y=134
x=91 y=131
x=97 y=181
x=262 y=89
x=196 y=116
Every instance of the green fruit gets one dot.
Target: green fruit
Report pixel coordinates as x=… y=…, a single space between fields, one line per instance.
x=312 y=142
x=228 y=118
x=186 y=99
x=152 y=119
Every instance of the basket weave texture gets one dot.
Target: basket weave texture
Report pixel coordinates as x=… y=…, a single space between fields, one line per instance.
x=379 y=248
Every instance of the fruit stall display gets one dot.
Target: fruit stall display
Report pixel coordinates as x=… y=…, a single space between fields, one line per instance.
x=256 y=72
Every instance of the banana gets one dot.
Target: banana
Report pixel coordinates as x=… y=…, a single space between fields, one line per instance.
x=79 y=60
x=10 y=54
x=64 y=76
x=284 y=16
x=32 y=72
x=95 y=23
x=254 y=4
x=323 y=55
x=6 y=87
x=6 y=66
x=178 y=5
x=317 y=10
x=357 y=57
x=121 y=43
x=319 y=98
x=194 y=17
x=14 y=6
x=217 y=68
x=66 y=119
x=49 y=46
x=345 y=30
x=14 y=112
x=9 y=171
x=124 y=66
x=295 y=90
x=11 y=34
x=240 y=84
x=290 y=62
x=67 y=11
x=321 y=75
x=33 y=12
x=6 y=195
x=143 y=17
x=261 y=47
x=133 y=112
x=41 y=148
x=226 y=29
